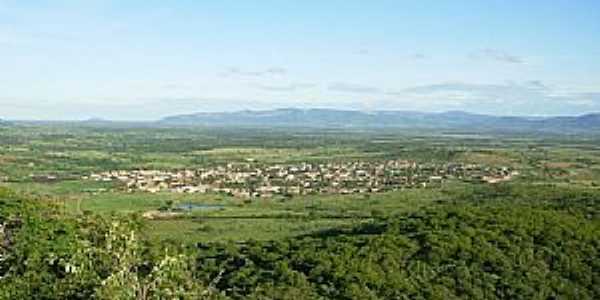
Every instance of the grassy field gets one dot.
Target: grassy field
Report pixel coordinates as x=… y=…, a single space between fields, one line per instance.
x=259 y=219
x=221 y=230
x=69 y=153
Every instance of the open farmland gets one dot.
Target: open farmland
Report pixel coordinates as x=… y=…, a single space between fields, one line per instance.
x=248 y=202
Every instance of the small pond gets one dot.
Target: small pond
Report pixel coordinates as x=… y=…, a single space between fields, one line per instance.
x=199 y=206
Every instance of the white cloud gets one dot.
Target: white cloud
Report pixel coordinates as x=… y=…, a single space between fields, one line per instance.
x=497 y=55
x=272 y=71
x=526 y=98
x=353 y=88
x=292 y=87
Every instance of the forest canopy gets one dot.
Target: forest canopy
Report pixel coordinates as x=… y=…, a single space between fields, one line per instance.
x=507 y=247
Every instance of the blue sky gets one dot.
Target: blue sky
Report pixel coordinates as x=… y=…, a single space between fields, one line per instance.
x=142 y=60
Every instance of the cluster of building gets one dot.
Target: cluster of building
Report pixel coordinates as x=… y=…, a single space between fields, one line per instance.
x=248 y=180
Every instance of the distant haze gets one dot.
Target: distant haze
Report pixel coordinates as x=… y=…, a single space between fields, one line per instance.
x=397 y=119
x=145 y=60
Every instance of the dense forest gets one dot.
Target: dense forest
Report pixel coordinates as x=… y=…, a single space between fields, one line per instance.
x=503 y=241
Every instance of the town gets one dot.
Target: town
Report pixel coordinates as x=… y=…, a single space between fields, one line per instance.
x=248 y=180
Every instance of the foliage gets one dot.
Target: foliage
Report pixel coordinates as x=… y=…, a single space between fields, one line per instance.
x=51 y=256
x=537 y=237
x=463 y=250
x=499 y=242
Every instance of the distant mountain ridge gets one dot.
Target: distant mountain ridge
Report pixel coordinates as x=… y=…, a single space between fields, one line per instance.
x=315 y=117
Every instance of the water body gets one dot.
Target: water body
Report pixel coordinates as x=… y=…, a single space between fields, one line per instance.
x=200 y=206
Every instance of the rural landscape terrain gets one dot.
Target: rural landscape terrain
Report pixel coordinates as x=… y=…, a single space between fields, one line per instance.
x=117 y=210
x=292 y=150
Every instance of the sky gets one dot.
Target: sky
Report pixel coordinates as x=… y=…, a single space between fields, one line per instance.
x=144 y=60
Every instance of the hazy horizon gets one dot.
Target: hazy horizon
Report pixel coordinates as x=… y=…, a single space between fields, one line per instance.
x=233 y=111
x=142 y=61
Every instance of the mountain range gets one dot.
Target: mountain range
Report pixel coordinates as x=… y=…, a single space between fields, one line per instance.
x=294 y=117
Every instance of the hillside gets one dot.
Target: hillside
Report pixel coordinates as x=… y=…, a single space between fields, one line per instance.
x=504 y=242
x=404 y=119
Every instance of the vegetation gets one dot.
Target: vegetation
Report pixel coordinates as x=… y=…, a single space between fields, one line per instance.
x=534 y=237
x=448 y=251
x=46 y=255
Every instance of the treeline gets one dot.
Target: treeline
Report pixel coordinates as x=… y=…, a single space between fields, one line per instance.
x=446 y=252
x=499 y=242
